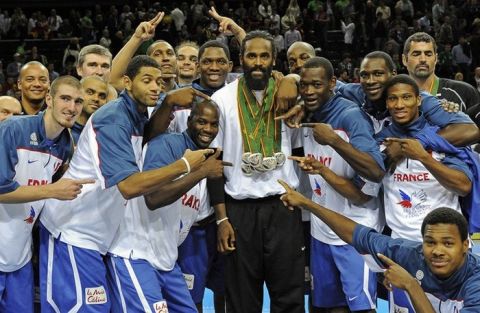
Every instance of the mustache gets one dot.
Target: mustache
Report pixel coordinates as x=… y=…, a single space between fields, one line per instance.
x=257 y=68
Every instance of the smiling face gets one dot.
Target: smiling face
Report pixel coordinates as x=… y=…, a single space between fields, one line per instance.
x=65 y=105
x=257 y=62
x=203 y=125
x=214 y=67
x=444 y=249
x=163 y=53
x=402 y=103
x=33 y=82
x=315 y=87
x=374 y=73
x=145 y=87
x=187 y=62
x=420 y=60
x=95 y=93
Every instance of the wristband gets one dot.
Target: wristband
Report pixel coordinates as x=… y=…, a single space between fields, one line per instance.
x=187 y=165
x=221 y=220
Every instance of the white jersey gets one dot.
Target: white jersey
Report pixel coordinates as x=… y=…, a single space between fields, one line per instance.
x=109 y=150
x=27 y=158
x=327 y=196
x=229 y=138
x=410 y=193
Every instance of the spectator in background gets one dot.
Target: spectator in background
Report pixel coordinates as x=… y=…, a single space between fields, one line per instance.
x=105 y=41
x=348 y=29
x=265 y=9
x=424 y=23
x=287 y=20
x=292 y=35
x=279 y=41
x=405 y=8
x=379 y=31
x=13 y=68
x=294 y=8
x=445 y=34
x=35 y=56
x=438 y=9
x=445 y=61
x=178 y=18
x=476 y=79
x=51 y=71
x=462 y=56
x=71 y=52
x=54 y=22
x=384 y=9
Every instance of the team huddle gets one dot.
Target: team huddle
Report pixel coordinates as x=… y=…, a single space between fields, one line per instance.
x=182 y=182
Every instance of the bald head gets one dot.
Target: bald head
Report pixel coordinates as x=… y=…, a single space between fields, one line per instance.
x=298 y=54
x=33 y=82
x=9 y=106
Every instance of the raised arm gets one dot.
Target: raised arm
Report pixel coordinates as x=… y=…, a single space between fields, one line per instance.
x=228 y=25
x=144 y=31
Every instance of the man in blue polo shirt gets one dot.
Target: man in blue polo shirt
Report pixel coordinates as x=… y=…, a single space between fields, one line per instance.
x=32 y=150
x=439 y=275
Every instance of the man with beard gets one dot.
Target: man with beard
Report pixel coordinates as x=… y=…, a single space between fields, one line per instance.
x=142 y=268
x=95 y=92
x=33 y=83
x=341 y=279
x=187 y=63
x=32 y=149
x=264 y=251
x=420 y=57
x=75 y=235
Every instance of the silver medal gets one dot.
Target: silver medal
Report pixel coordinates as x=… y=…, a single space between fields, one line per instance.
x=255 y=159
x=269 y=163
x=245 y=157
x=247 y=169
x=280 y=156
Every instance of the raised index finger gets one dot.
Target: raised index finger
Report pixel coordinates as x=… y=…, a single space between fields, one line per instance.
x=385 y=260
x=213 y=13
x=284 y=185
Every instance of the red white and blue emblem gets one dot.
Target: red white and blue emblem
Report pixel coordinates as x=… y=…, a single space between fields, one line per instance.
x=413 y=201
x=317 y=189
x=31 y=217
x=406 y=200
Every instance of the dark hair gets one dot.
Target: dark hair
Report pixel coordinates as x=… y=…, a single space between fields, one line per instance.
x=213 y=44
x=150 y=48
x=400 y=79
x=384 y=56
x=258 y=34
x=419 y=37
x=447 y=216
x=205 y=103
x=64 y=80
x=320 y=62
x=137 y=63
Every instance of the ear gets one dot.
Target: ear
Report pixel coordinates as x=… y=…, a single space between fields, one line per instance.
x=79 y=70
x=127 y=82
x=49 y=100
x=230 y=66
x=332 y=83
x=465 y=246
x=404 y=60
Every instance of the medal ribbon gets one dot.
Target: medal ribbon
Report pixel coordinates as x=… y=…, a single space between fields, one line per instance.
x=260 y=132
